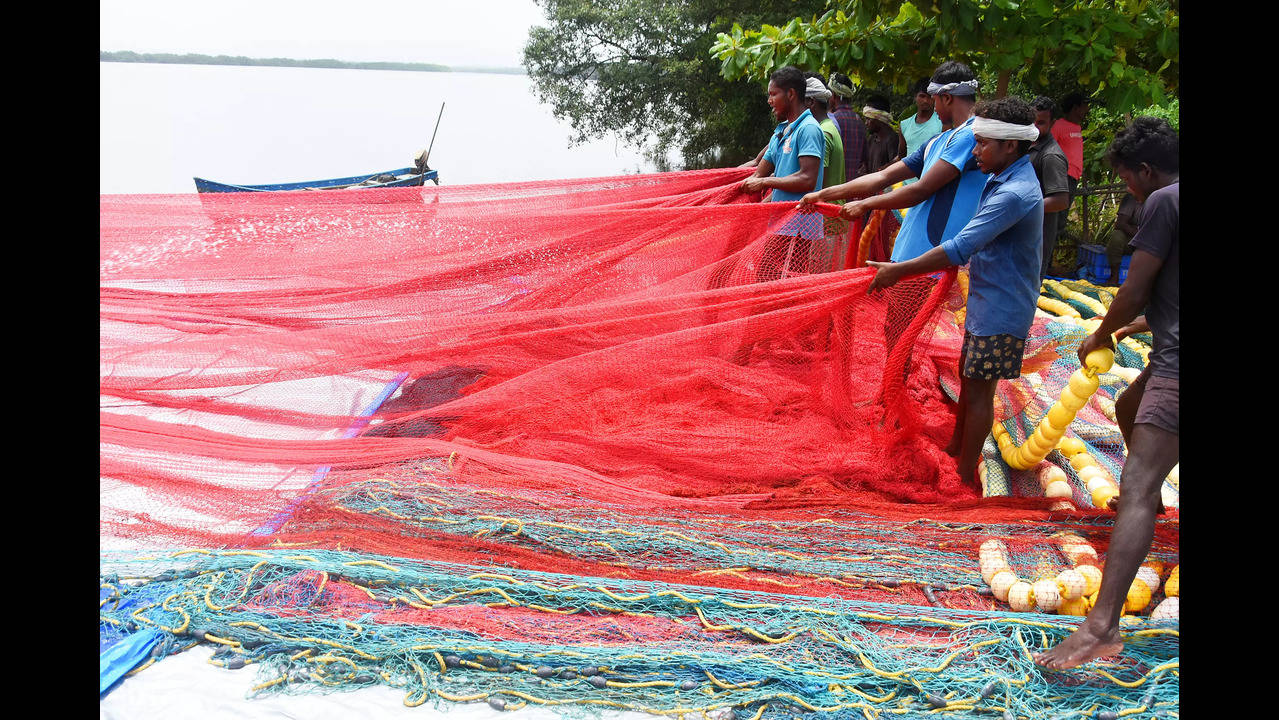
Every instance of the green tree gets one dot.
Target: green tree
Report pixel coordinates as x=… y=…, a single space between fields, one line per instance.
x=1123 y=52
x=642 y=70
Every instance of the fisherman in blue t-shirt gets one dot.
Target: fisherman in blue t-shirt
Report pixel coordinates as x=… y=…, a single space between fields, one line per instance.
x=1003 y=244
x=792 y=164
x=949 y=182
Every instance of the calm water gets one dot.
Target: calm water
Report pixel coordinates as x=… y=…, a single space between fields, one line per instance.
x=163 y=124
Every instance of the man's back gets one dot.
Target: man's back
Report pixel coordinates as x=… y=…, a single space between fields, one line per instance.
x=939 y=217
x=1159 y=234
x=1004 y=269
x=881 y=149
x=852 y=131
x=1070 y=137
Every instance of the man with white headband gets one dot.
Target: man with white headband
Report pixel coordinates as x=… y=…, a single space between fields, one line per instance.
x=949 y=182
x=1002 y=243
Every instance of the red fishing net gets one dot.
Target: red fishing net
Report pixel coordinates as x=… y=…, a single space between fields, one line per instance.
x=658 y=340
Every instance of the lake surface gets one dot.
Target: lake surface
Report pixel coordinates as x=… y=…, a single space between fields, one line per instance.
x=162 y=124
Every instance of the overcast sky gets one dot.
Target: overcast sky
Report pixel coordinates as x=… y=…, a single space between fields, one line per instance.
x=448 y=32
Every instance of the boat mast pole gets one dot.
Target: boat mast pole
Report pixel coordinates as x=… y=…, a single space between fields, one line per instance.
x=427 y=159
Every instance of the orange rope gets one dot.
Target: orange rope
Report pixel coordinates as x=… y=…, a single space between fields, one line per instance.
x=868 y=235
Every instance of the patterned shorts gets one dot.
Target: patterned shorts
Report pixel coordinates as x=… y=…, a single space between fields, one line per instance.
x=991 y=357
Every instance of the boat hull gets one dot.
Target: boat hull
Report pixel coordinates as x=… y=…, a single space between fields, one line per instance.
x=354 y=182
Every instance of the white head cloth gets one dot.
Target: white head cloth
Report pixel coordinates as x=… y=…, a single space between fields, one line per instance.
x=840 y=89
x=967 y=87
x=815 y=89
x=876 y=114
x=1000 y=130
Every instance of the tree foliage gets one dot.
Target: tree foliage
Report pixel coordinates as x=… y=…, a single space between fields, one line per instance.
x=642 y=70
x=1124 y=52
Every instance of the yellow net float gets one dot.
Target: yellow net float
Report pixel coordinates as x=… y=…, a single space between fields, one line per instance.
x=1092 y=577
x=1051 y=430
x=1056 y=307
x=1138 y=596
x=1091 y=303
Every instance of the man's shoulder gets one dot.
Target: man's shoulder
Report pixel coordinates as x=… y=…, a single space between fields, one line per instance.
x=962 y=135
x=808 y=124
x=1165 y=201
x=1050 y=146
x=1025 y=183
x=1164 y=195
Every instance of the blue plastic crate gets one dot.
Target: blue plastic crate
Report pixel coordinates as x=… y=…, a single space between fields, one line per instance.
x=1095 y=266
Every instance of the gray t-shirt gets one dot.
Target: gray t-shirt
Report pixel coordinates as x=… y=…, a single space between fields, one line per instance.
x=1049 y=162
x=1158 y=234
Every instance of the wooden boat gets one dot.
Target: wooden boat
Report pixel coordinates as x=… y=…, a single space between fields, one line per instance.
x=403 y=177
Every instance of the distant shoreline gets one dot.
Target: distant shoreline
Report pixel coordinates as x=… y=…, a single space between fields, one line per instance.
x=196 y=59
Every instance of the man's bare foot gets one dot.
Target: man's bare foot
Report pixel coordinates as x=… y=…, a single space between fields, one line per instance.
x=1083 y=645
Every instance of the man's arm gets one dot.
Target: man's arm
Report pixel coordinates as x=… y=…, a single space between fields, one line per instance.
x=1153 y=240
x=797 y=182
x=863 y=185
x=888 y=273
x=934 y=179
x=996 y=214
x=1056 y=186
x=1056 y=202
x=1136 y=326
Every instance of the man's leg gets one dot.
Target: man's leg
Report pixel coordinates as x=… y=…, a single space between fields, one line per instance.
x=1153 y=450
x=1126 y=406
x=961 y=416
x=1151 y=456
x=978 y=413
x=961 y=412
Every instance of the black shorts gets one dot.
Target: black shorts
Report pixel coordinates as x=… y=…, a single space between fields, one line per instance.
x=991 y=357
x=1160 y=401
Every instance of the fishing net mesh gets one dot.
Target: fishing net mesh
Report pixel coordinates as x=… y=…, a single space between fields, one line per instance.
x=639 y=442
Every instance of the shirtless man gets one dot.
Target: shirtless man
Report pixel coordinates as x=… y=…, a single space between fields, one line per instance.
x=1146 y=156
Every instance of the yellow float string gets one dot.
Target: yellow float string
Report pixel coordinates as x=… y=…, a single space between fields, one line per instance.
x=1083 y=383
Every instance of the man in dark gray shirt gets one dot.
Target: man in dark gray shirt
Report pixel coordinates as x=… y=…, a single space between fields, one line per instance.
x=1049 y=161
x=1146 y=156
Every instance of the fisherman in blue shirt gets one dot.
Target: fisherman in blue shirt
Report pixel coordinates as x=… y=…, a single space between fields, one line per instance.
x=1003 y=242
x=792 y=164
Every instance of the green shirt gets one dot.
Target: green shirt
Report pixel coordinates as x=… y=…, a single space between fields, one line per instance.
x=833 y=163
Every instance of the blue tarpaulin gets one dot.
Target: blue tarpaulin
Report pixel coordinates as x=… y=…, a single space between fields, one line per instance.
x=125 y=655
